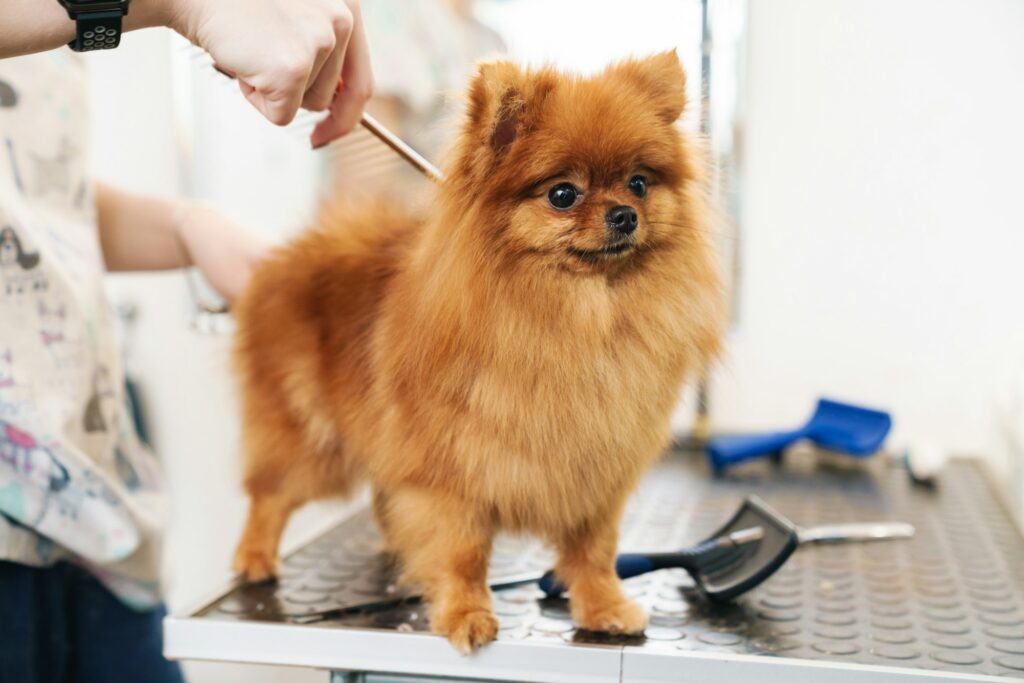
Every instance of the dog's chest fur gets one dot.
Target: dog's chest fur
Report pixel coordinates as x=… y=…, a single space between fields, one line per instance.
x=562 y=402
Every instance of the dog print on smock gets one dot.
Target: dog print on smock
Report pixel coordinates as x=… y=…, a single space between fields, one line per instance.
x=75 y=481
x=18 y=267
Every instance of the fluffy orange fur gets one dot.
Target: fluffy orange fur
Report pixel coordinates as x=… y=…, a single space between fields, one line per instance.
x=486 y=367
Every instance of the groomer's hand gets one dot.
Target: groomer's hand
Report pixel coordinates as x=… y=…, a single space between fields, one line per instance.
x=139 y=232
x=287 y=54
x=226 y=254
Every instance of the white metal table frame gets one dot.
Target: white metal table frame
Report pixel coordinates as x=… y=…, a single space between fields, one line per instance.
x=356 y=655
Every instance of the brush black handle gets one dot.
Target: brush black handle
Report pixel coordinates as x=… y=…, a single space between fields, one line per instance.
x=629 y=565
x=626 y=566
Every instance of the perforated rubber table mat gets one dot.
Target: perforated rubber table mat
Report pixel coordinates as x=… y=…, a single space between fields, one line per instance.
x=950 y=599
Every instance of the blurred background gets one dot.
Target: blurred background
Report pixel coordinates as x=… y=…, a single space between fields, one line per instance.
x=870 y=157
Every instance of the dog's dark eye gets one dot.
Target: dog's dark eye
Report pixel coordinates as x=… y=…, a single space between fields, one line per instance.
x=638 y=186
x=563 y=195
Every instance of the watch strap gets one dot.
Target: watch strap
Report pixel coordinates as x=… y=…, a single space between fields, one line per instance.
x=97 y=29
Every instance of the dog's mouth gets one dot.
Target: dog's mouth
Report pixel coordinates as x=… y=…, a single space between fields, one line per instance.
x=605 y=252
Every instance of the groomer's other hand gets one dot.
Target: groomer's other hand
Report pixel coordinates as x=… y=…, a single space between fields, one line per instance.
x=226 y=254
x=287 y=54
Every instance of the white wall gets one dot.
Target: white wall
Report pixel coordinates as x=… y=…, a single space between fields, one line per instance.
x=883 y=235
x=584 y=36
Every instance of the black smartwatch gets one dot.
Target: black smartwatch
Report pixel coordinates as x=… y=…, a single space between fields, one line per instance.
x=97 y=23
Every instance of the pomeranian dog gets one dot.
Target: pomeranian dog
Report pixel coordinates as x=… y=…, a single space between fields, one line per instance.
x=509 y=361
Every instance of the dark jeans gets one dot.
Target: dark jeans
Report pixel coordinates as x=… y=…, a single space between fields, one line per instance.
x=60 y=625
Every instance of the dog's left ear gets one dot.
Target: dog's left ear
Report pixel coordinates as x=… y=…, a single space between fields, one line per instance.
x=661 y=80
x=505 y=104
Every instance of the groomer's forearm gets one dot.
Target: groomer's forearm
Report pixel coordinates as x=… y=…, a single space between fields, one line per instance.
x=28 y=26
x=138 y=232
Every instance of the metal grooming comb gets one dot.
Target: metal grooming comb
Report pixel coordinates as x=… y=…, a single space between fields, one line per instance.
x=352 y=145
x=415 y=159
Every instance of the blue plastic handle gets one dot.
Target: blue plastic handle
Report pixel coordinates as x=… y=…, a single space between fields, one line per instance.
x=727 y=450
x=837 y=426
x=626 y=566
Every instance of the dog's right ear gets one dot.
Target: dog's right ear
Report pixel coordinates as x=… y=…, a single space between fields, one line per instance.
x=660 y=81
x=504 y=105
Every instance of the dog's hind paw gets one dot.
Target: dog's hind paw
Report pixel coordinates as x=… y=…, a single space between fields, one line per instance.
x=621 y=617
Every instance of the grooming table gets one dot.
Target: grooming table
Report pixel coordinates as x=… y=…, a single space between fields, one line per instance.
x=947 y=605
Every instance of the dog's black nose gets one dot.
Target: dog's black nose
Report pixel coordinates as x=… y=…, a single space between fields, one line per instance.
x=621 y=219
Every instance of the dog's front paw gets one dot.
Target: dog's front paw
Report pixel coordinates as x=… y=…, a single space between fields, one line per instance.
x=467 y=631
x=622 y=616
x=255 y=564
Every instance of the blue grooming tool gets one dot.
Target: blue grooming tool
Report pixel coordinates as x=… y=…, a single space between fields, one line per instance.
x=741 y=555
x=751 y=546
x=835 y=426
